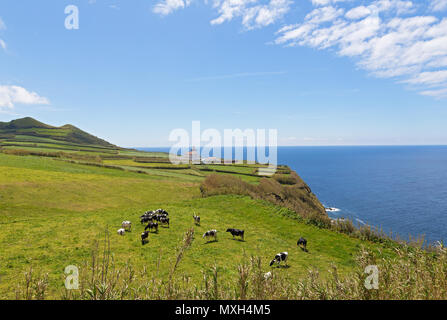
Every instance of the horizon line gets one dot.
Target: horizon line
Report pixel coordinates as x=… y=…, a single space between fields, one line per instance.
x=313 y=146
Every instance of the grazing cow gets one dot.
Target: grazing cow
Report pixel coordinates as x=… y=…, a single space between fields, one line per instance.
x=152 y=225
x=159 y=216
x=145 y=219
x=127 y=225
x=121 y=231
x=196 y=219
x=147 y=216
x=161 y=211
x=302 y=243
x=267 y=275
x=147 y=213
x=280 y=257
x=236 y=233
x=210 y=234
x=144 y=237
x=164 y=221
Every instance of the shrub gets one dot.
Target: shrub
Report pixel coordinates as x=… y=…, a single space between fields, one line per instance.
x=343 y=225
x=284 y=170
x=216 y=184
x=285 y=178
x=60 y=154
x=366 y=232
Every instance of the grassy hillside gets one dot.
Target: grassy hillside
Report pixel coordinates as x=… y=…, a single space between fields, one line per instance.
x=59 y=199
x=30 y=130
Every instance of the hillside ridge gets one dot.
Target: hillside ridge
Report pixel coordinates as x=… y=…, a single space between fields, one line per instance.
x=30 y=127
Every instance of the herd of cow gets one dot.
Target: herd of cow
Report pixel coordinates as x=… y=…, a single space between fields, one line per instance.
x=154 y=218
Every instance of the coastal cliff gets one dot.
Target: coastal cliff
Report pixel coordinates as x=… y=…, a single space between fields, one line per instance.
x=285 y=188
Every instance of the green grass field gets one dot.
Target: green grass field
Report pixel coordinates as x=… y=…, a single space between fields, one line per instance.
x=52 y=212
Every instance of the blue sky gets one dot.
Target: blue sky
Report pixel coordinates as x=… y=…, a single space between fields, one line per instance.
x=322 y=72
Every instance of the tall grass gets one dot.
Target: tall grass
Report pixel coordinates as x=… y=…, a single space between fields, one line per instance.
x=33 y=286
x=186 y=243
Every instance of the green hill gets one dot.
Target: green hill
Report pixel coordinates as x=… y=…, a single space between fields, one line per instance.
x=28 y=129
x=24 y=123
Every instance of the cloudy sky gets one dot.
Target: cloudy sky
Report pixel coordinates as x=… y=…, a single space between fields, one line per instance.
x=322 y=72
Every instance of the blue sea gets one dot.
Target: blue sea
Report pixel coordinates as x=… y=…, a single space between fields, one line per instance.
x=401 y=189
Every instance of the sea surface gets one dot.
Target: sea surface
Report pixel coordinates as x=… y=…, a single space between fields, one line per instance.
x=401 y=189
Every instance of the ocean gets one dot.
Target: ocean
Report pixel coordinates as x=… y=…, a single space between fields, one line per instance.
x=401 y=189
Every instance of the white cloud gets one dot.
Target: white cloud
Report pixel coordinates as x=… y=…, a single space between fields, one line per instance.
x=429 y=77
x=253 y=14
x=438 y=5
x=326 y=2
x=358 y=13
x=439 y=93
x=384 y=39
x=2 y=27
x=399 y=6
x=324 y=14
x=12 y=95
x=166 y=7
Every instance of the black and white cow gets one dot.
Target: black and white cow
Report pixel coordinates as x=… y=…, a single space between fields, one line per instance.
x=164 y=221
x=152 y=226
x=236 y=233
x=149 y=212
x=159 y=216
x=153 y=215
x=280 y=257
x=126 y=225
x=210 y=234
x=144 y=237
x=196 y=219
x=162 y=211
x=302 y=243
x=147 y=216
x=145 y=219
